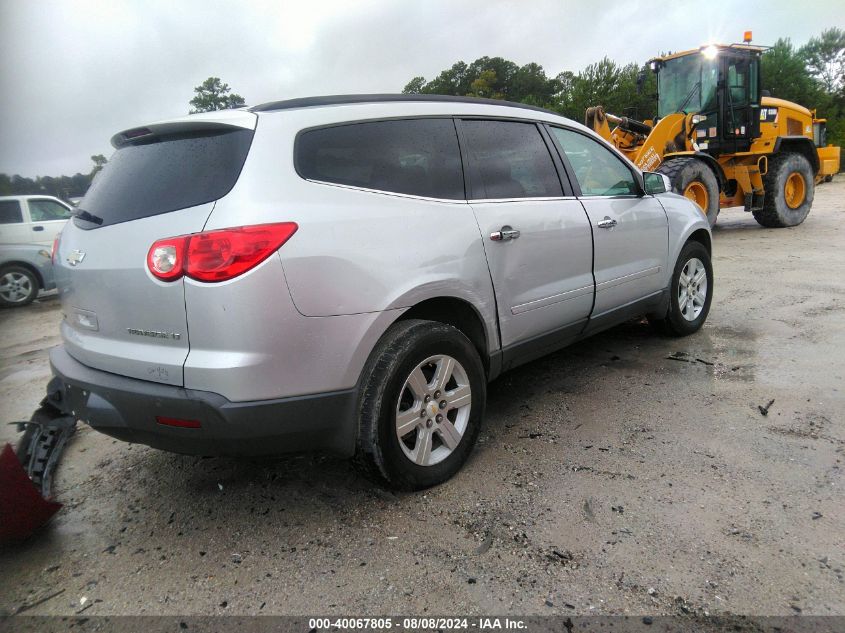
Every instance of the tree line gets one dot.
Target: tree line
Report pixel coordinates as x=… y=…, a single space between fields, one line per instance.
x=64 y=187
x=604 y=82
x=812 y=75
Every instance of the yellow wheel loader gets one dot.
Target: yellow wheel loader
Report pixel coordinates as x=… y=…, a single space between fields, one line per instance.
x=721 y=141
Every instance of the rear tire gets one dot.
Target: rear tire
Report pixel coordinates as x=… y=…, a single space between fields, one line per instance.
x=421 y=403
x=689 y=296
x=790 y=188
x=18 y=286
x=693 y=179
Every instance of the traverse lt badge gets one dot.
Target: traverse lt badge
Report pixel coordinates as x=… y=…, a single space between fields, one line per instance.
x=76 y=256
x=154 y=333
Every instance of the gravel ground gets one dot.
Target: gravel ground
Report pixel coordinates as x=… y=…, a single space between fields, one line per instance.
x=609 y=478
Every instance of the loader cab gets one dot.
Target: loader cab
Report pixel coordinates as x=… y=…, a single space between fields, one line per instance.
x=721 y=84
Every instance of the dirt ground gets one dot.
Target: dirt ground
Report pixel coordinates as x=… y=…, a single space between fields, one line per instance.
x=609 y=478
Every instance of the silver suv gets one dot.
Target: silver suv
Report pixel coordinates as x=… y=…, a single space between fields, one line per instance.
x=348 y=273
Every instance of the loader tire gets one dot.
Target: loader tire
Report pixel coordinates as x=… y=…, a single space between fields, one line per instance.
x=693 y=179
x=789 y=185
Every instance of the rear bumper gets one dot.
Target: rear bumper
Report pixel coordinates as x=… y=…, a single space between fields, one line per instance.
x=126 y=408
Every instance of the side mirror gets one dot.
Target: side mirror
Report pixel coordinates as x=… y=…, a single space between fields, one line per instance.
x=655 y=183
x=640 y=81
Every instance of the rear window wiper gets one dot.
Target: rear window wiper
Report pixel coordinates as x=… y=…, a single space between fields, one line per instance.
x=82 y=214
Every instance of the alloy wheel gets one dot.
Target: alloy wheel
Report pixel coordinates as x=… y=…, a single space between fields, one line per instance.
x=692 y=289
x=433 y=410
x=15 y=287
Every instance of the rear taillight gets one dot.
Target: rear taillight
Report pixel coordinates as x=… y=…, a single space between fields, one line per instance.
x=55 y=250
x=217 y=255
x=166 y=258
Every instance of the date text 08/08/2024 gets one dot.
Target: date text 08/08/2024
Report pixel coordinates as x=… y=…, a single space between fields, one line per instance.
x=414 y=624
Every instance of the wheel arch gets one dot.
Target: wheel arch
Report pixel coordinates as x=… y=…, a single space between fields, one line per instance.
x=798 y=145
x=28 y=266
x=703 y=237
x=708 y=160
x=458 y=313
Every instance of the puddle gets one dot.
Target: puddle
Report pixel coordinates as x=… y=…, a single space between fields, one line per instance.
x=728 y=353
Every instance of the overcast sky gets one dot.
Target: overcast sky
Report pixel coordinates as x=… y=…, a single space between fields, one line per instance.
x=75 y=71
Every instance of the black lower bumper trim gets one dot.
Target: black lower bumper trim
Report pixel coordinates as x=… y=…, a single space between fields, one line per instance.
x=126 y=408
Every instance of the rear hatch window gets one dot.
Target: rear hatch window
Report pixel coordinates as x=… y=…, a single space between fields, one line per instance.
x=158 y=173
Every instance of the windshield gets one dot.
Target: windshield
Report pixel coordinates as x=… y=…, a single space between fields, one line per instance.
x=687 y=84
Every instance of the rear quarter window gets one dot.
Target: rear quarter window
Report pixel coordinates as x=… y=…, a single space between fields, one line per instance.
x=166 y=173
x=10 y=212
x=416 y=157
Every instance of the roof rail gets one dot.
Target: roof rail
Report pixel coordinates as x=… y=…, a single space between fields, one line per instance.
x=307 y=102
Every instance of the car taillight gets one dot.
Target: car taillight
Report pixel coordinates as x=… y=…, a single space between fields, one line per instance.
x=217 y=255
x=166 y=258
x=55 y=248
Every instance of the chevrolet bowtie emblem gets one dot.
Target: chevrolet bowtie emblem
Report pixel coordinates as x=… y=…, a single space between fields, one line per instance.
x=75 y=257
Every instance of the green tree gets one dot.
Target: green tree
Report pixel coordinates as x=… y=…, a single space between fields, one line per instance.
x=784 y=73
x=597 y=84
x=646 y=89
x=491 y=77
x=213 y=94
x=415 y=86
x=530 y=84
x=484 y=86
x=562 y=98
x=453 y=81
x=501 y=84
x=825 y=58
x=99 y=162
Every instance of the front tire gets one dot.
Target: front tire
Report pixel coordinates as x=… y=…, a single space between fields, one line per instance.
x=694 y=180
x=690 y=292
x=790 y=188
x=421 y=403
x=18 y=287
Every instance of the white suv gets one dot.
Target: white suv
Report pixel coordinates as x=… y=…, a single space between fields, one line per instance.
x=348 y=273
x=32 y=219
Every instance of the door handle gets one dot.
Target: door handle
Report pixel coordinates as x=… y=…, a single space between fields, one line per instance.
x=37 y=228
x=506 y=233
x=607 y=223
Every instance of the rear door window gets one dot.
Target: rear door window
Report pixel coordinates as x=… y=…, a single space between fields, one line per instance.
x=47 y=210
x=418 y=157
x=163 y=173
x=10 y=212
x=509 y=160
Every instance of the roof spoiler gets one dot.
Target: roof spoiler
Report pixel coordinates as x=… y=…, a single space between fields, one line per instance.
x=219 y=120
